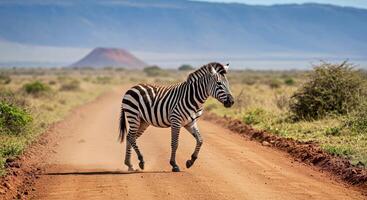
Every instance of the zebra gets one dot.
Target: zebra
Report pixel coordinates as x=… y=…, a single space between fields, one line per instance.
x=175 y=106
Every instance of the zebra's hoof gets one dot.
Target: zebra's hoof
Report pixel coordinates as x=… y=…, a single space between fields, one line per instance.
x=141 y=165
x=176 y=169
x=131 y=169
x=189 y=163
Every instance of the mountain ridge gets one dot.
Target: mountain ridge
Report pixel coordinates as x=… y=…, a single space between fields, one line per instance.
x=187 y=26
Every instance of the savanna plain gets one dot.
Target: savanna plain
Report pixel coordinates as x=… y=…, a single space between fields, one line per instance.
x=326 y=106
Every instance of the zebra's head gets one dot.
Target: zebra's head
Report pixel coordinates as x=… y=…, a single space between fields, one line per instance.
x=219 y=85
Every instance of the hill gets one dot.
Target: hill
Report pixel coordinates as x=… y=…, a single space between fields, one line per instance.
x=110 y=57
x=179 y=26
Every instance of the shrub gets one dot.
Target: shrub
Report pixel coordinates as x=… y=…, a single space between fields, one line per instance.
x=4 y=79
x=331 y=89
x=13 y=119
x=36 y=88
x=186 y=67
x=154 y=71
x=289 y=81
x=274 y=83
x=70 y=86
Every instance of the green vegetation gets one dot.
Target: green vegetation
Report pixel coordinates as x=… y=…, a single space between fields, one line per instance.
x=36 y=88
x=186 y=67
x=253 y=117
x=289 y=81
x=12 y=118
x=328 y=103
x=154 y=71
x=331 y=89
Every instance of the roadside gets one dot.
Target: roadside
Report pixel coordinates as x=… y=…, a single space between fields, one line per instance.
x=306 y=152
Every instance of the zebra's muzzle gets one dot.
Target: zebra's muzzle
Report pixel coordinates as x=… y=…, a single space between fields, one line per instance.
x=229 y=101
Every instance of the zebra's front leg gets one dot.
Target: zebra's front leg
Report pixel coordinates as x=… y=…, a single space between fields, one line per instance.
x=175 y=132
x=194 y=130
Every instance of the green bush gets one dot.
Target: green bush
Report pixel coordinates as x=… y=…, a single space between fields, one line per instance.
x=331 y=89
x=36 y=88
x=154 y=71
x=13 y=119
x=186 y=67
x=289 y=81
x=72 y=85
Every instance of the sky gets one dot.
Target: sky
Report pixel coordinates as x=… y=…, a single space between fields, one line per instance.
x=353 y=3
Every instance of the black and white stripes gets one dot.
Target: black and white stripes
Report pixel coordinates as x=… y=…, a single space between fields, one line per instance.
x=172 y=106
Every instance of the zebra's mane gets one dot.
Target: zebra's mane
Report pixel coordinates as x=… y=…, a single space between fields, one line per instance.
x=204 y=70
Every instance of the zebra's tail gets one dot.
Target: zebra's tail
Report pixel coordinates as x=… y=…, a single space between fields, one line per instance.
x=123 y=127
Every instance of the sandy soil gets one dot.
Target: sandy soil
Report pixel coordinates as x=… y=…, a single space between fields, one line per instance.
x=88 y=164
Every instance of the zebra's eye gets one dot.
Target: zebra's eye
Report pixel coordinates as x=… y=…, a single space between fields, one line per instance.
x=219 y=83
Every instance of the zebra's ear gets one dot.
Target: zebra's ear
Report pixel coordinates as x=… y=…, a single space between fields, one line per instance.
x=212 y=70
x=226 y=67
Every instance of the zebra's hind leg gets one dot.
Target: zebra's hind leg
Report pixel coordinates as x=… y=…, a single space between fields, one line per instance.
x=133 y=134
x=128 y=156
x=142 y=128
x=134 y=123
x=194 y=130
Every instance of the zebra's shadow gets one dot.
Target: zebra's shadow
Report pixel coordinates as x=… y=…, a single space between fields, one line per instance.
x=86 y=173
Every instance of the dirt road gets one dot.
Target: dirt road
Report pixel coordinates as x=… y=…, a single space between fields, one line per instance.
x=88 y=164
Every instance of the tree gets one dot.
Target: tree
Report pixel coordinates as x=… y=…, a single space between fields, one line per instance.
x=186 y=67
